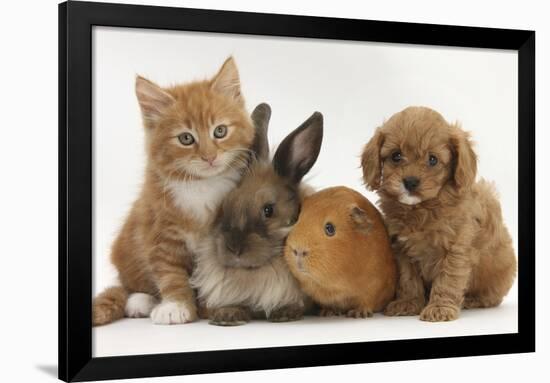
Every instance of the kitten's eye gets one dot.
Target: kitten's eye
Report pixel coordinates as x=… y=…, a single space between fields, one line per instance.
x=220 y=131
x=268 y=210
x=432 y=160
x=330 y=230
x=186 y=139
x=396 y=156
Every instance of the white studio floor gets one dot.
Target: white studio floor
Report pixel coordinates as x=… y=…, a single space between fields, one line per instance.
x=140 y=336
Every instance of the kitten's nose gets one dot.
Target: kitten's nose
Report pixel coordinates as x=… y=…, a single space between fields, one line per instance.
x=411 y=183
x=209 y=158
x=299 y=252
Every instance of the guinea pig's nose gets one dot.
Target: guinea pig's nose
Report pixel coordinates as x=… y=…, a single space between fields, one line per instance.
x=411 y=183
x=299 y=253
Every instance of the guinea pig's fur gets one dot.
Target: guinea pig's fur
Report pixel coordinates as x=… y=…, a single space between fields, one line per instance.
x=352 y=272
x=240 y=271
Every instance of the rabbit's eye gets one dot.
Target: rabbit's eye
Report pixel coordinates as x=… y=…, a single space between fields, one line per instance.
x=330 y=230
x=268 y=210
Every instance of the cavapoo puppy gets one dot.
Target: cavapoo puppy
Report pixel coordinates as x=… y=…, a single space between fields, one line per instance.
x=448 y=236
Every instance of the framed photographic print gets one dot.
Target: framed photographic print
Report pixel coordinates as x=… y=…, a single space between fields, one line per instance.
x=245 y=191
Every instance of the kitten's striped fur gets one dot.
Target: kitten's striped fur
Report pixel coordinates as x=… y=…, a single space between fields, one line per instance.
x=182 y=190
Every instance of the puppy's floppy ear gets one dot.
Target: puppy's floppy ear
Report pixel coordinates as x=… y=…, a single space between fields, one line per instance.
x=464 y=159
x=370 y=161
x=360 y=219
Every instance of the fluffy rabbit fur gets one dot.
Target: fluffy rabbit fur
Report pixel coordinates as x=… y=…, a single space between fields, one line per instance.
x=240 y=271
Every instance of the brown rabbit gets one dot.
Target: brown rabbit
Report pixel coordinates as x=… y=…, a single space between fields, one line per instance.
x=340 y=253
x=240 y=272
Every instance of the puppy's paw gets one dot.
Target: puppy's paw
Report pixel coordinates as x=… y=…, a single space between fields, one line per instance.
x=359 y=313
x=172 y=312
x=404 y=307
x=436 y=312
x=229 y=316
x=474 y=302
x=139 y=305
x=286 y=314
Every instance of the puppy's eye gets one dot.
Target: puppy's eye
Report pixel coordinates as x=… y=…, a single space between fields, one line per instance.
x=220 y=131
x=330 y=230
x=396 y=156
x=268 y=210
x=432 y=160
x=186 y=139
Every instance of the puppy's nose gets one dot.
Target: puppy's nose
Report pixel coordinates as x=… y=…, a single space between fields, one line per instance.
x=299 y=252
x=411 y=183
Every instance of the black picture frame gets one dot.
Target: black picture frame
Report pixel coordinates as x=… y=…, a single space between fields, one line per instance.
x=76 y=20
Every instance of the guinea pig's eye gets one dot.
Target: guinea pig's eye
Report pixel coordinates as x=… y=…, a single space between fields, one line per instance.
x=186 y=139
x=330 y=230
x=268 y=210
x=396 y=156
x=432 y=160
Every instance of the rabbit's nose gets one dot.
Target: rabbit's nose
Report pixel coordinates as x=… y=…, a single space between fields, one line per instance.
x=234 y=247
x=299 y=252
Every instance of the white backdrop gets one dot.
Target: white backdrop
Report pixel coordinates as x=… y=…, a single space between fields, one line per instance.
x=356 y=85
x=28 y=324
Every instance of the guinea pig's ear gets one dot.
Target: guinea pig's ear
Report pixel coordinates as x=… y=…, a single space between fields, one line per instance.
x=299 y=150
x=464 y=159
x=370 y=161
x=260 y=116
x=360 y=219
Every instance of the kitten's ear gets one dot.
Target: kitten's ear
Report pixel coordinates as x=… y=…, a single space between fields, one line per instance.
x=153 y=100
x=260 y=117
x=227 y=81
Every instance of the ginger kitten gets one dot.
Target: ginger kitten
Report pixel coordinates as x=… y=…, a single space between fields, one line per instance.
x=197 y=142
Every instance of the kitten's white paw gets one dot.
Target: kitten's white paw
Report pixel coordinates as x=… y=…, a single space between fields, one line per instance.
x=169 y=312
x=139 y=305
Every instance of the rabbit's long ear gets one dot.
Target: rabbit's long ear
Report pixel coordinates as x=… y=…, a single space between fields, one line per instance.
x=299 y=150
x=260 y=117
